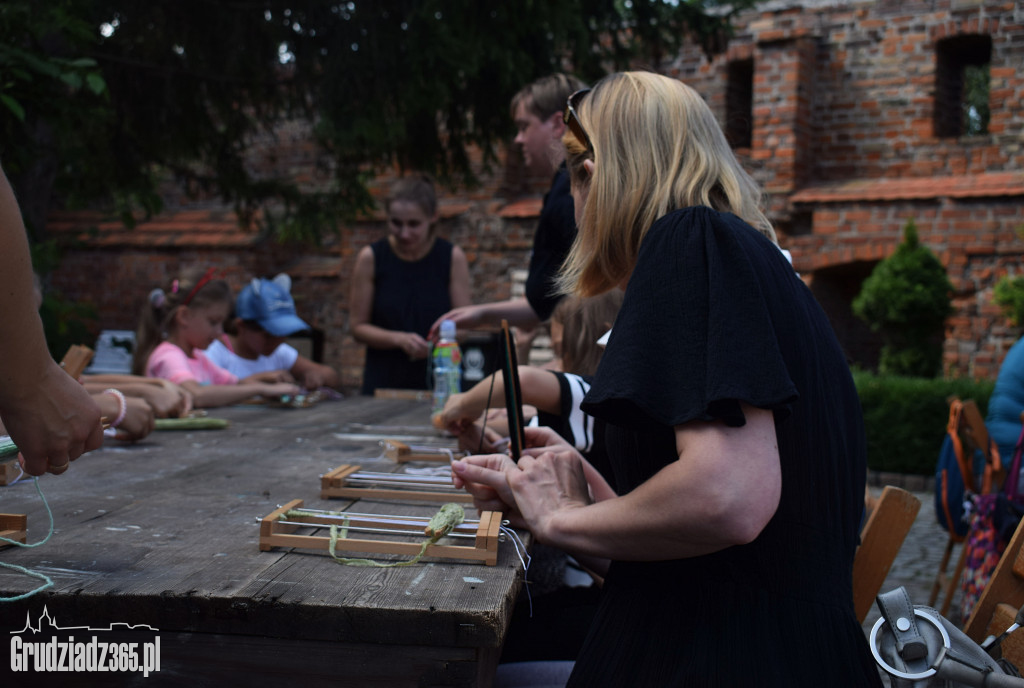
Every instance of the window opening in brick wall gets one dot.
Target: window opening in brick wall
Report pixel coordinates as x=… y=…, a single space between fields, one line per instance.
x=801 y=223
x=962 y=85
x=739 y=103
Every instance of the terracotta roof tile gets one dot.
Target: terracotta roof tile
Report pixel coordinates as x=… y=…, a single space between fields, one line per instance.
x=182 y=228
x=953 y=186
x=527 y=207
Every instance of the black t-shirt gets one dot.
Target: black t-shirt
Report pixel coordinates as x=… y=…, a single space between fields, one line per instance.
x=714 y=315
x=556 y=230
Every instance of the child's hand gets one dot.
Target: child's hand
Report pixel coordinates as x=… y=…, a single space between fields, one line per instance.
x=170 y=401
x=314 y=379
x=270 y=376
x=456 y=416
x=414 y=346
x=278 y=389
x=477 y=440
x=138 y=421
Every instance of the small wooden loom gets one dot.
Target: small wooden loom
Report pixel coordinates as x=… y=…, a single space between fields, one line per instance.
x=13 y=527
x=277 y=532
x=402 y=452
x=348 y=482
x=10 y=469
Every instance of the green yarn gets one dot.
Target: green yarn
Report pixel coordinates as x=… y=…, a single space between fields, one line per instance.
x=7 y=447
x=47 y=581
x=442 y=523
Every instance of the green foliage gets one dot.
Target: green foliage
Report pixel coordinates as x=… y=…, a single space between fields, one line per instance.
x=975 y=102
x=907 y=299
x=66 y=321
x=110 y=95
x=1008 y=294
x=905 y=418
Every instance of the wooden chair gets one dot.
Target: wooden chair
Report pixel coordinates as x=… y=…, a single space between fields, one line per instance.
x=972 y=435
x=880 y=541
x=76 y=360
x=1001 y=599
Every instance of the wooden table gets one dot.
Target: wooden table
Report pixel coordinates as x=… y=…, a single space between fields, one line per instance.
x=165 y=533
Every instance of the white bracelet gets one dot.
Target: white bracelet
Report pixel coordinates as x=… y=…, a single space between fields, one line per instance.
x=122 y=406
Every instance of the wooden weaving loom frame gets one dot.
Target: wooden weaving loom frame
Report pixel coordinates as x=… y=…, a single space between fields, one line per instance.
x=274 y=533
x=335 y=485
x=13 y=527
x=402 y=452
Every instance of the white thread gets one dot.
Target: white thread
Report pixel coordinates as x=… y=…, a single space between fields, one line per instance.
x=517 y=544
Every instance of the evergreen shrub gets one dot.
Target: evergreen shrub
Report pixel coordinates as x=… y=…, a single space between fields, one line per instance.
x=905 y=417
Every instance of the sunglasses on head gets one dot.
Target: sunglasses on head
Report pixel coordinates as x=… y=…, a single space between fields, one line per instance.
x=572 y=120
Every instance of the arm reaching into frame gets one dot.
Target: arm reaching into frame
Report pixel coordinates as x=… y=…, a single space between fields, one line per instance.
x=46 y=412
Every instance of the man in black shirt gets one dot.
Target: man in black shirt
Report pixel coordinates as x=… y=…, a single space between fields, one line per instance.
x=537 y=112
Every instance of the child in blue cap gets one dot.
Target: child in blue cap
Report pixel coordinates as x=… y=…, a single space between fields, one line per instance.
x=264 y=317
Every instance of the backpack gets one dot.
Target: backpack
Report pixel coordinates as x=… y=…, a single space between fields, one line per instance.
x=957 y=477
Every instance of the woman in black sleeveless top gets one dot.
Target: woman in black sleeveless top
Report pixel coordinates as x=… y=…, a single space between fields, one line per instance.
x=400 y=284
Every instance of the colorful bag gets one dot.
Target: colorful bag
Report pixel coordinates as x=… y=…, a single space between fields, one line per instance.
x=992 y=521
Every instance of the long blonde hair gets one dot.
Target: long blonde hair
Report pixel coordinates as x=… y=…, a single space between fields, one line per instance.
x=656 y=147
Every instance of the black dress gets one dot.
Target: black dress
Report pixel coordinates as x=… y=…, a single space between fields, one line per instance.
x=407 y=296
x=714 y=314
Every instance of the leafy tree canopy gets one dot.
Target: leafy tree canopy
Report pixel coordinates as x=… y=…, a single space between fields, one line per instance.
x=100 y=98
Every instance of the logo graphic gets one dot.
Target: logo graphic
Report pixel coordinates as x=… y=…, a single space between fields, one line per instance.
x=86 y=654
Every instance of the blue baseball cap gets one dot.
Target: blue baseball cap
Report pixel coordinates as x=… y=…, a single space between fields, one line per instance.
x=270 y=303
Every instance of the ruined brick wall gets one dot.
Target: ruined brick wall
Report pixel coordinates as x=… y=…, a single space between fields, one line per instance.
x=842 y=137
x=844 y=141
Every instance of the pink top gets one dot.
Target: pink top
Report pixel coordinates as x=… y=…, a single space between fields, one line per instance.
x=170 y=362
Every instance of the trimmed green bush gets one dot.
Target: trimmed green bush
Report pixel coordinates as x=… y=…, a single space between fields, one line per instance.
x=905 y=417
x=906 y=300
x=1008 y=294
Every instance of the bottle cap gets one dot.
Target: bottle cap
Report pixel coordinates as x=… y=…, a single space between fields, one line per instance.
x=447 y=329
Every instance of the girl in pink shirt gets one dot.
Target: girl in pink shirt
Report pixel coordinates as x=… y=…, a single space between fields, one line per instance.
x=176 y=325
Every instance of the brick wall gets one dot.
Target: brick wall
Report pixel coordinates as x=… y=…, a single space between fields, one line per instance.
x=842 y=111
x=844 y=142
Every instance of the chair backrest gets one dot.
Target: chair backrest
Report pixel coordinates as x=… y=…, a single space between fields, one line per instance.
x=880 y=541
x=974 y=437
x=76 y=360
x=999 y=602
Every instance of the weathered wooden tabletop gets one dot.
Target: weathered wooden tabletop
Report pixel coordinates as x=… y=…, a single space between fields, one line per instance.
x=165 y=533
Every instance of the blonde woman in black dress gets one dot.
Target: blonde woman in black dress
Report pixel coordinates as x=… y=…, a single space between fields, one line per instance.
x=734 y=428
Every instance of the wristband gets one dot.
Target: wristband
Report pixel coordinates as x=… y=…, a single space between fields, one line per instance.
x=122 y=406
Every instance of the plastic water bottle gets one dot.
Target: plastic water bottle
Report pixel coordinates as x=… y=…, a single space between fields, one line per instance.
x=447 y=361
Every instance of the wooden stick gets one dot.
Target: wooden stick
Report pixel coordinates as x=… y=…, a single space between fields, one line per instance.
x=402 y=452
x=409 y=394
x=513 y=395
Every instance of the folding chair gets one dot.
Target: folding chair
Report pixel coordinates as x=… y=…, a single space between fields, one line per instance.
x=967 y=428
x=880 y=542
